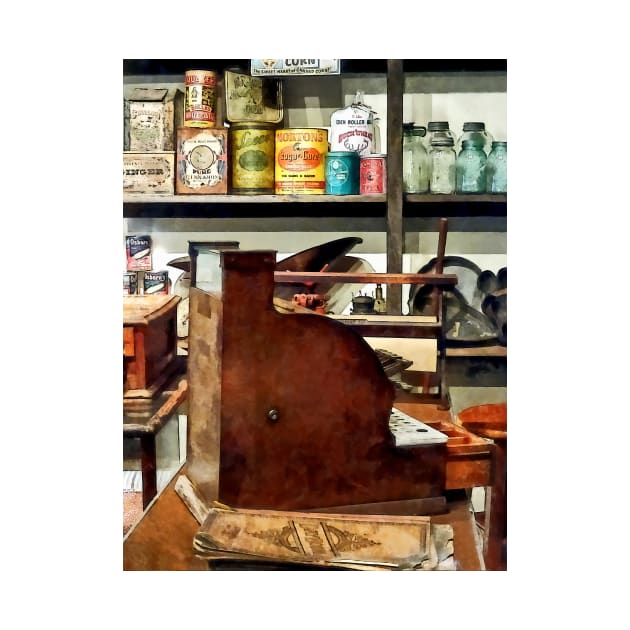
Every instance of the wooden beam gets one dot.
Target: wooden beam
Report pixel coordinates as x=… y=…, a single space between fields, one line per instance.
x=395 y=236
x=440 y=279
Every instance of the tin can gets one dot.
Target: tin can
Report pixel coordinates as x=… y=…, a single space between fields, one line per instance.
x=300 y=166
x=201 y=161
x=342 y=173
x=156 y=283
x=200 y=98
x=373 y=174
x=253 y=158
x=130 y=282
x=138 y=253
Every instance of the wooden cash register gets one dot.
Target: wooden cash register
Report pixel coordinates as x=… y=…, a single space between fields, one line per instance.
x=294 y=412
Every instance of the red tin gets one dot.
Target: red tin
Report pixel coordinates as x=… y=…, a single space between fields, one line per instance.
x=373 y=174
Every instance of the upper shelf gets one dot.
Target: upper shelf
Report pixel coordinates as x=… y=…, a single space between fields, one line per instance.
x=135 y=67
x=381 y=198
x=252 y=206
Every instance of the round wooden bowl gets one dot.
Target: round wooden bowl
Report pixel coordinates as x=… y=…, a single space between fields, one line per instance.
x=489 y=421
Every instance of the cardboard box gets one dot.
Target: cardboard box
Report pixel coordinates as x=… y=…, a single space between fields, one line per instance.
x=149 y=172
x=202 y=165
x=152 y=116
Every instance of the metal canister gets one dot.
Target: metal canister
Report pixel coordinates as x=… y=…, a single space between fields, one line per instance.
x=200 y=98
x=342 y=173
x=373 y=174
x=300 y=161
x=253 y=158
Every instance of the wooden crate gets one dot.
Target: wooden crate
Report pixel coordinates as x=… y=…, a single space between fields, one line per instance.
x=149 y=343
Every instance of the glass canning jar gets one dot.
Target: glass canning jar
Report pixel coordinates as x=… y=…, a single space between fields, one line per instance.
x=442 y=160
x=475 y=131
x=470 y=168
x=438 y=130
x=496 y=168
x=415 y=160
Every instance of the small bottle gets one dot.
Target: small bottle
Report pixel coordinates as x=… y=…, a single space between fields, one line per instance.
x=496 y=168
x=415 y=160
x=470 y=168
x=442 y=161
x=475 y=131
x=380 y=306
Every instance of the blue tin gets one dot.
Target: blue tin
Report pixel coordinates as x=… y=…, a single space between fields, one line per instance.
x=342 y=173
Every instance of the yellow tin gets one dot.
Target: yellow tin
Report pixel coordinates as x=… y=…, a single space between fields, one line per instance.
x=200 y=102
x=253 y=158
x=300 y=164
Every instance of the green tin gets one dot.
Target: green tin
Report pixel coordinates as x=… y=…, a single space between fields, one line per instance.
x=342 y=173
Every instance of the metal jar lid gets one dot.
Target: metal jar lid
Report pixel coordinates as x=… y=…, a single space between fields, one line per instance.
x=443 y=141
x=438 y=126
x=499 y=143
x=474 y=126
x=414 y=130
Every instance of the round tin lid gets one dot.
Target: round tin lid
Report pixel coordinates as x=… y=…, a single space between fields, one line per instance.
x=373 y=155
x=340 y=154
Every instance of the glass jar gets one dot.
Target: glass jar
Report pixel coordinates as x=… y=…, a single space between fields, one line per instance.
x=470 y=168
x=415 y=160
x=438 y=130
x=442 y=160
x=496 y=168
x=475 y=131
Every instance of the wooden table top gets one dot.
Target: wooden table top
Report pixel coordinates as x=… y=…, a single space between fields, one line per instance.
x=141 y=309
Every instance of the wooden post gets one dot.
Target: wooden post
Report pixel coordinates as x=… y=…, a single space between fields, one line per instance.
x=395 y=234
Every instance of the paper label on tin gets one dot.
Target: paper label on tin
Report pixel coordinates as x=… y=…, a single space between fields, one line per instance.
x=253 y=152
x=352 y=129
x=202 y=160
x=147 y=127
x=287 y=67
x=300 y=160
x=147 y=172
x=200 y=100
x=252 y=99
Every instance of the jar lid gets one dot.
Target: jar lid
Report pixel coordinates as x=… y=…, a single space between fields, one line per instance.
x=443 y=141
x=414 y=130
x=438 y=126
x=499 y=143
x=474 y=126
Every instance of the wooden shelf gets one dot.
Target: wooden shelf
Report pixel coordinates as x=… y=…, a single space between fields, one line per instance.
x=464 y=207
x=468 y=198
x=482 y=351
x=253 y=199
x=378 y=198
